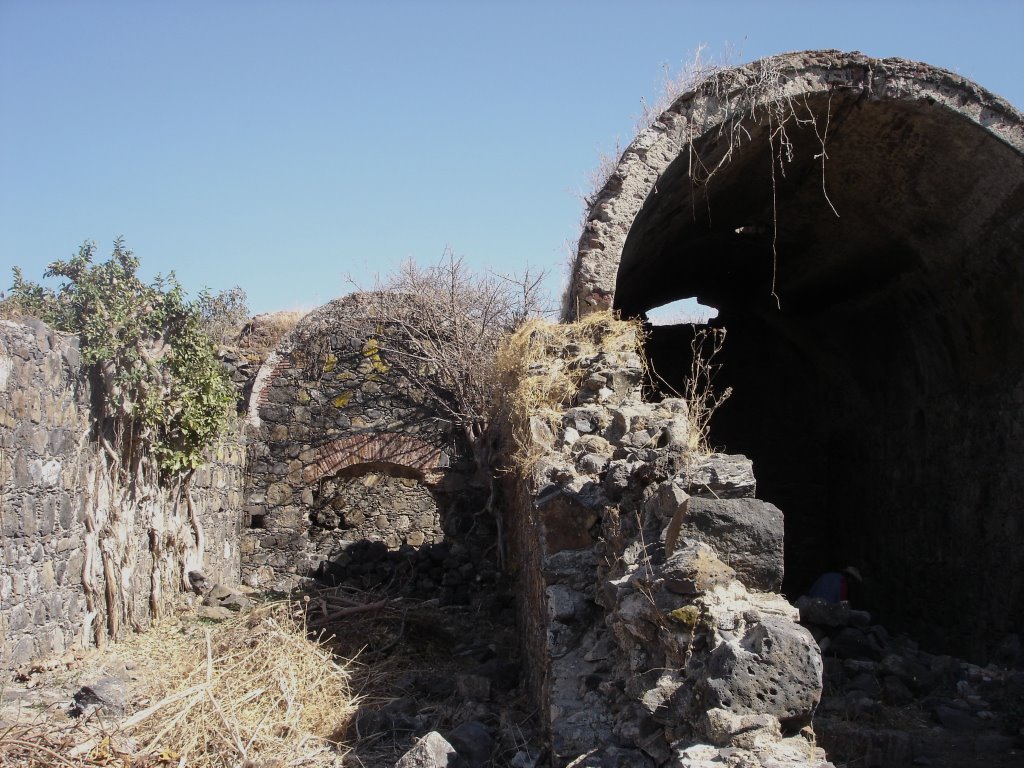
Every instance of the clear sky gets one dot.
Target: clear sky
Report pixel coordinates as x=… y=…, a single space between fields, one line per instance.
x=280 y=145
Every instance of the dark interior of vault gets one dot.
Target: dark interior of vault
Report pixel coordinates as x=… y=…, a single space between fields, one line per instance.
x=875 y=351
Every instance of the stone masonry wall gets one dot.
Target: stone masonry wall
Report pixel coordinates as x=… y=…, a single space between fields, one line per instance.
x=48 y=478
x=401 y=505
x=343 y=451
x=218 y=489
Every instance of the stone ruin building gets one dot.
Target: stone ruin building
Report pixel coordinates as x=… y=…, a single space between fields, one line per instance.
x=858 y=225
x=348 y=461
x=871 y=311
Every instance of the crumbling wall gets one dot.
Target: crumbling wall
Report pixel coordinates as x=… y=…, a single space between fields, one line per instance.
x=649 y=577
x=51 y=476
x=343 y=451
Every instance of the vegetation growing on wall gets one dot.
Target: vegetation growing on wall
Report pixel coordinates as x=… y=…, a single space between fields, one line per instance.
x=160 y=391
x=542 y=365
x=223 y=313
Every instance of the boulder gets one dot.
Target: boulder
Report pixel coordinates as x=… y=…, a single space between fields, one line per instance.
x=746 y=533
x=108 y=695
x=473 y=742
x=236 y=602
x=664 y=503
x=220 y=592
x=567 y=518
x=214 y=612
x=694 y=569
x=774 y=669
x=432 y=751
x=722 y=728
x=719 y=476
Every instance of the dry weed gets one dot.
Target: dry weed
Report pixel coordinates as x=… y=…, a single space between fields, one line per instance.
x=542 y=365
x=693 y=71
x=11 y=309
x=254 y=688
x=736 y=99
x=699 y=392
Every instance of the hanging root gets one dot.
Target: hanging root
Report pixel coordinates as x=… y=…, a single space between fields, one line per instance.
x=123 y=518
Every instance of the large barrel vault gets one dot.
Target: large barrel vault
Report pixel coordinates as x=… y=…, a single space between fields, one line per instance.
x=858 y=225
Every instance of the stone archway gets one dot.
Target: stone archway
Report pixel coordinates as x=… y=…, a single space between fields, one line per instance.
x=334 y=432
x=874 y=311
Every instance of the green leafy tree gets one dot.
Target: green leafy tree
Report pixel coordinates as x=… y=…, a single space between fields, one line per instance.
x=160 y=393
x=223 y=313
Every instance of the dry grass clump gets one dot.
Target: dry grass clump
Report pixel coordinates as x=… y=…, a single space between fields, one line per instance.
x=542 y=365
x=264 y=332
x=251 y=690
x=11 y=309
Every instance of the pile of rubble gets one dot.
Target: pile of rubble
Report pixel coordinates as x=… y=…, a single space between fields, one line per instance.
x=890 y=704
x=451 y=571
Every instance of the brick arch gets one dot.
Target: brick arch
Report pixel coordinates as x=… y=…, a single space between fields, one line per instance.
x=385 y=448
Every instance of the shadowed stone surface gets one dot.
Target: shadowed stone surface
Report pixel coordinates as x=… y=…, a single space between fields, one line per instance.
x=345 y=450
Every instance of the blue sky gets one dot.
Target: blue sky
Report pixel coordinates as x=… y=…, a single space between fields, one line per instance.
x=281 y=145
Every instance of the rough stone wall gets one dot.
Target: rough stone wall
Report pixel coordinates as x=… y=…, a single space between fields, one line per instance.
x=648 y=580
x=399 y=504
x=218 y=489
x=49 y=478
x=343 y=451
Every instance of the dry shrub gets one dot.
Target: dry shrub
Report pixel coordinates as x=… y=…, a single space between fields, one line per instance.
x=542 y=365
x=692 y=72
x=11 y=309
x=251 y=690
x=698 y=388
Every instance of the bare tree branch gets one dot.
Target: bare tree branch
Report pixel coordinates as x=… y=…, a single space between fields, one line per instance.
x=439 y=328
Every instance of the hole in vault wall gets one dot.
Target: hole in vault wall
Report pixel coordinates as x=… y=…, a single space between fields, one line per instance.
x=681 y=311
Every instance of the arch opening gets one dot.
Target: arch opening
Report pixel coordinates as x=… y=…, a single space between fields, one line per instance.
x=875 y=346
x=684 y=310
